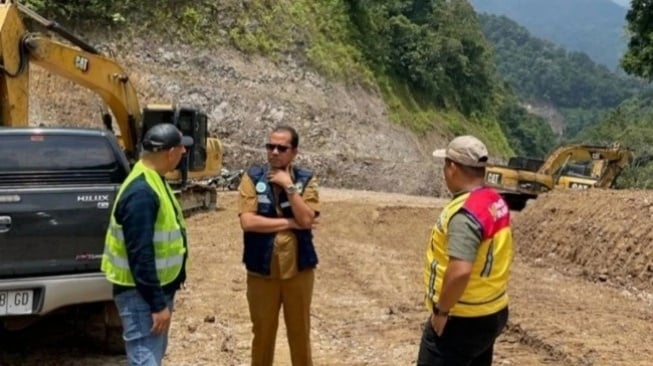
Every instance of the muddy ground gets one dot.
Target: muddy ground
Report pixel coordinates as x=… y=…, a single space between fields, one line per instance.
x=580 y=291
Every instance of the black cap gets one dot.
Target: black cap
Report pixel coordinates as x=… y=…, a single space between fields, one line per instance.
x=164 y=136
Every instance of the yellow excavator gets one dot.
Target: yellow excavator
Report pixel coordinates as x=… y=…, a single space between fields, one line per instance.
x=86 y=66
x=567 y=167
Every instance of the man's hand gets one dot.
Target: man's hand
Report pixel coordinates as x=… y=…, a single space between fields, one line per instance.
x=438 y=323
x=161 y=321
x=279 y=177
x=294 y=225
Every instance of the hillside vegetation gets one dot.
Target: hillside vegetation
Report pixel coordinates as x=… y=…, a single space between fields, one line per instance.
x=539 y=70
x=599 y=106
x=594 y=27
x=630 y=125
x=427 y=59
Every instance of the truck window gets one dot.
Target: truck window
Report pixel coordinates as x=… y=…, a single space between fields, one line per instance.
x=39 y=154
x=43 y=152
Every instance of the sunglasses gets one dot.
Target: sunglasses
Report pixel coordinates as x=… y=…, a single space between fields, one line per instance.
x=279 y=148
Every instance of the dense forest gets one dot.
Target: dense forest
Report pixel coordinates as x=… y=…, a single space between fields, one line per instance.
x=629 y=124
x=600 y=107
x=594 y=27
x=540 y=70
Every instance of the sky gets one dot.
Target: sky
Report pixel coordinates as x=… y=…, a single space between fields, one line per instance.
x=624 y=3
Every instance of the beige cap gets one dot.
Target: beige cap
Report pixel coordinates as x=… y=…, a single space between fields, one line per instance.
x=466 y=150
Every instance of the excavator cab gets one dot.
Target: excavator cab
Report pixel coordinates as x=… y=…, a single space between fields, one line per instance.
x=191 y=179
x=580 y=169
x=190 y=121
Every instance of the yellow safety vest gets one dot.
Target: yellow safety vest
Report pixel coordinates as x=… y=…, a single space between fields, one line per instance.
x=486 y=290
x=168 y=238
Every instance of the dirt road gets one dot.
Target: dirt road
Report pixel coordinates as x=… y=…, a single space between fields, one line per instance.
x=368 y=296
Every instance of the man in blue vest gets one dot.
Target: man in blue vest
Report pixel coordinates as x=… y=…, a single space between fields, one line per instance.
x=279 y=205
x=145 y=251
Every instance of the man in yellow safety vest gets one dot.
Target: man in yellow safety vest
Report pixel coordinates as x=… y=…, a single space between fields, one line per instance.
x=146 y=246
x=468 y=262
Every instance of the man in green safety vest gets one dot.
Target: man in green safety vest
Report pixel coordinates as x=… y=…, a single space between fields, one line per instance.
x=145 y=249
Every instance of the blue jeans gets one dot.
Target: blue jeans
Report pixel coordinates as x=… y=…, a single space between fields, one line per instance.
x=143 y=348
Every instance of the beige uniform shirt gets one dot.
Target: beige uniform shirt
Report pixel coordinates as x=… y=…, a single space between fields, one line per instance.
x=284 y=255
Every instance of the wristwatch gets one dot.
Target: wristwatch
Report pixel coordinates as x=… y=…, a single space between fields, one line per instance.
x=291 y=188
x=439 y=312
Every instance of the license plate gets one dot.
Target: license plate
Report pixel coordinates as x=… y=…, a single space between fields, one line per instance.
x=16 y=302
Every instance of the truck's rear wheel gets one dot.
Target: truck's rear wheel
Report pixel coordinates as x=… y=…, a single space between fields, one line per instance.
x=103 y=326
x=113 y=341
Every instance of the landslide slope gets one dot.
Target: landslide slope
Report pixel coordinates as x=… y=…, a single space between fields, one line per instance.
x=345 y=132
x=602 y=235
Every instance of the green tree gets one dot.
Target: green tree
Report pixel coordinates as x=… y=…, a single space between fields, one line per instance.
x=75 y=10
x=629 y=124
x=638 y=59
x=528 y=134
x=540 y=70
x=436 y=47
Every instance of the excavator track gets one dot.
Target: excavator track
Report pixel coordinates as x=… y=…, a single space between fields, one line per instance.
x=196 y=197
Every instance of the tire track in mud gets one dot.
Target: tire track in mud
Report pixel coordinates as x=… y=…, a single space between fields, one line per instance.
x=381 y=265
x=557 y=319
x=551 y=353
x=365 y=285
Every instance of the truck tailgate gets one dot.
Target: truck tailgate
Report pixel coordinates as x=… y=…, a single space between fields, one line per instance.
x=53 y=230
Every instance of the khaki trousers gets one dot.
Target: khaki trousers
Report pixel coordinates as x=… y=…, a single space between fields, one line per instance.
x=265 y=297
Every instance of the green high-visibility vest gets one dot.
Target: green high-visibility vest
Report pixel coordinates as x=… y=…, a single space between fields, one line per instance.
x=168 y=237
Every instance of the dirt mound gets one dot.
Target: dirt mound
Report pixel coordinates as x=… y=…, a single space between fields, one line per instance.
x=603 y=235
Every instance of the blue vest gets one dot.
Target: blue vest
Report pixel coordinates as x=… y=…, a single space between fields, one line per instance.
x=257 y=254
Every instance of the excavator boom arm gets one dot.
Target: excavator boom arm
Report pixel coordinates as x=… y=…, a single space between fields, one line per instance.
x=614 y=156
x=95 y=72
x=562 y=155
x=82 y=64
x=622 y=159
x=19 y=49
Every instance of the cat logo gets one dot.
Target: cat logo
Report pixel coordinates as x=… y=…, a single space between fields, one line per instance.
x=575 y=185
x=81 y=63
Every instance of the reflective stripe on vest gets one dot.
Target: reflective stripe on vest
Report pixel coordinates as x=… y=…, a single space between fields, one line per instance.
x=485 y=292
x=168 y=238
x=160 y=237
x=161 y=264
